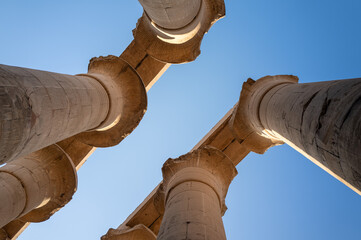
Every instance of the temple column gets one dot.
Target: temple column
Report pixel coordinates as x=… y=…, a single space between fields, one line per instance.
x=34 y=187
x=172 y=31
x=320 y=120
x=195 y=186
x=41 y=108
x=172 y=14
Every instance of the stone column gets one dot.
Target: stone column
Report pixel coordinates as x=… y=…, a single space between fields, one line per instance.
x=172 y=31
x=41 y=108
x=172 y=14
x=34 y=187
x=195 y=186
x=321 y=120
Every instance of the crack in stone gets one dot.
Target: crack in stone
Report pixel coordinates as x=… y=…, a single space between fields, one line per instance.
x=141 y=61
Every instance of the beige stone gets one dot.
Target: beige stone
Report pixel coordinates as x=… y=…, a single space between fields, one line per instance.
x=320 y=120
x=128 y=101
x=175 y=40
x=195 y=186
x=41 y=108
x=13 y=198
x=173 y=14
x=139 y=232
x=148 y=68
x=36 y=186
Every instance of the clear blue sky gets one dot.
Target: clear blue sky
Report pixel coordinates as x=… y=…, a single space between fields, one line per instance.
x=276 y=196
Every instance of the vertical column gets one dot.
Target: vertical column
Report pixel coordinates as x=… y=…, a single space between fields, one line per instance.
x=12 y=197
x=320 y=120
x=195 y=186
x=172 y=31
x=36 y=186
x=172 y=14
x=40 y=108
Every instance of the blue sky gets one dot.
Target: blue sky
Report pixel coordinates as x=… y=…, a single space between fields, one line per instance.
x=276 y=196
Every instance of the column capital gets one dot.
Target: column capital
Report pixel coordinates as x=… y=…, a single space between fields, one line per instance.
x=172 y=43
x=138 y=232
x=127 y=96
x=246 y=123
x=207 y=165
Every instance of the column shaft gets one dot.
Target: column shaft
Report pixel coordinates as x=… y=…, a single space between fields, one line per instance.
x=195 y=186
x=40 y=108
x=171 y=14
x=12 y=198
x=44 y=180
x=321 y=120
x=193 y=211
x=30 y=186
x=172 y=31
